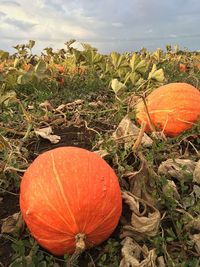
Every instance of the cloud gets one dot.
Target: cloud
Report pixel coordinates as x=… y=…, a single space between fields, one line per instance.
x=117 y=24
x=20 y=24
x=9 y=3
x=107 y=25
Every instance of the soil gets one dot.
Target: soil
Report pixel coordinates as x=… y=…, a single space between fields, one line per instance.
x=8 y=206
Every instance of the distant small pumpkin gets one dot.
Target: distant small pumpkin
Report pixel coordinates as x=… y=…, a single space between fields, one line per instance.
x=1 y=67
x=60 y=68
x=197 y=66
x=183 y=67
x=173 y=108
x=27 y=66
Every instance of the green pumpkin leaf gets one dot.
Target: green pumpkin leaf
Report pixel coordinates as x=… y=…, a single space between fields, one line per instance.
x=30 y=44
x=40 y=68
x=137 y=65
x=16 y=62
x=157 y=75
x=4 y=55
x=117 y=60
x=117 y=86
x=134 y=77
x=24 y=78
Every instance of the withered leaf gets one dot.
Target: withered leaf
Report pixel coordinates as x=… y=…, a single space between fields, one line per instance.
x=196 y=174
x=170 y=189
x=102 y=153
x=196 y=239
x=142 y=181
x=145 y=218
x=134 y=255
x=127 y=133
x=11 y=223
x=47 y=133
x=194 y=226
x=46 y=105
x=178 y=168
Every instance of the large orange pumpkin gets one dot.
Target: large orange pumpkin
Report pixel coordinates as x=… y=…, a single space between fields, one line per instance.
x=173 y=108
x=70 y=192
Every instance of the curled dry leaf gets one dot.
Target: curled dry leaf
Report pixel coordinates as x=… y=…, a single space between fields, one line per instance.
x=194 y=226
x=178 y=168
x=196 y=174
x=161 y=261
x=46 y=133
x=196 y=239
x=95 y=103
x=102 y=153
x=170 y=189
x=142 y=182
x=12 y=223
x=46 y=105
x=196 y=190
x=134 y=255
x=77 y=102
x=127 y=133
x=60 y=107
x=145 y=218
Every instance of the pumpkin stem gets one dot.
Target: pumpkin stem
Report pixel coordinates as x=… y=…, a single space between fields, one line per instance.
x=80 y=247
x=80 y=243
x=152 y=127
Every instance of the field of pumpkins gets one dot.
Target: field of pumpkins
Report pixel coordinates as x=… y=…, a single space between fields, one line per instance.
x=99 y=158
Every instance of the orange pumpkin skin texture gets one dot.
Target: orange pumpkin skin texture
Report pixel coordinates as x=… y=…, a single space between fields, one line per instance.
x=67 y=191
x=173 y=108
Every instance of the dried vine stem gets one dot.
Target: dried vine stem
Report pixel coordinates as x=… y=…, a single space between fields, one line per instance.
x=138 y=141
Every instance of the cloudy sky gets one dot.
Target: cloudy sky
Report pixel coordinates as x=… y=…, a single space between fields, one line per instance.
x=108 y=25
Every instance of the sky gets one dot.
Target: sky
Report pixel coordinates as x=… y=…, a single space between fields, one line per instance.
x=108 y=25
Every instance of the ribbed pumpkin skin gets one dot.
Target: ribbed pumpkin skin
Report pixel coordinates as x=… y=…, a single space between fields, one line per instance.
x=173 y=108
x=66 y=191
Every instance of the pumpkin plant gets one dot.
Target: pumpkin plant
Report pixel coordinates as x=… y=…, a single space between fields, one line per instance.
x=70 y=199
x=172 y=108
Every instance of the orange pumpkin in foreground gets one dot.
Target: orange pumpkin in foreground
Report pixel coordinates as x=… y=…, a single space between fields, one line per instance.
x=70 y=192
x=173 y=108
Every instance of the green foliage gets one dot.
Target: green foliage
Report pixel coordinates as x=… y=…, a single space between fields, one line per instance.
x=106 y=84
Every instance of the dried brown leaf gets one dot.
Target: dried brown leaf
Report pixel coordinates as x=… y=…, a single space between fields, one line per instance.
x=145 y=218
x=46 y=133
x=127 y=133
x=134 y=255
x=161 y=261
x=170 y=189
x=12 y=223
x=196 y=239
x=178 y=168
x=46 y=105
x=142 y=182
x=196 y=174
x=102 y=153
x=191 y=227
x=194 y=224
